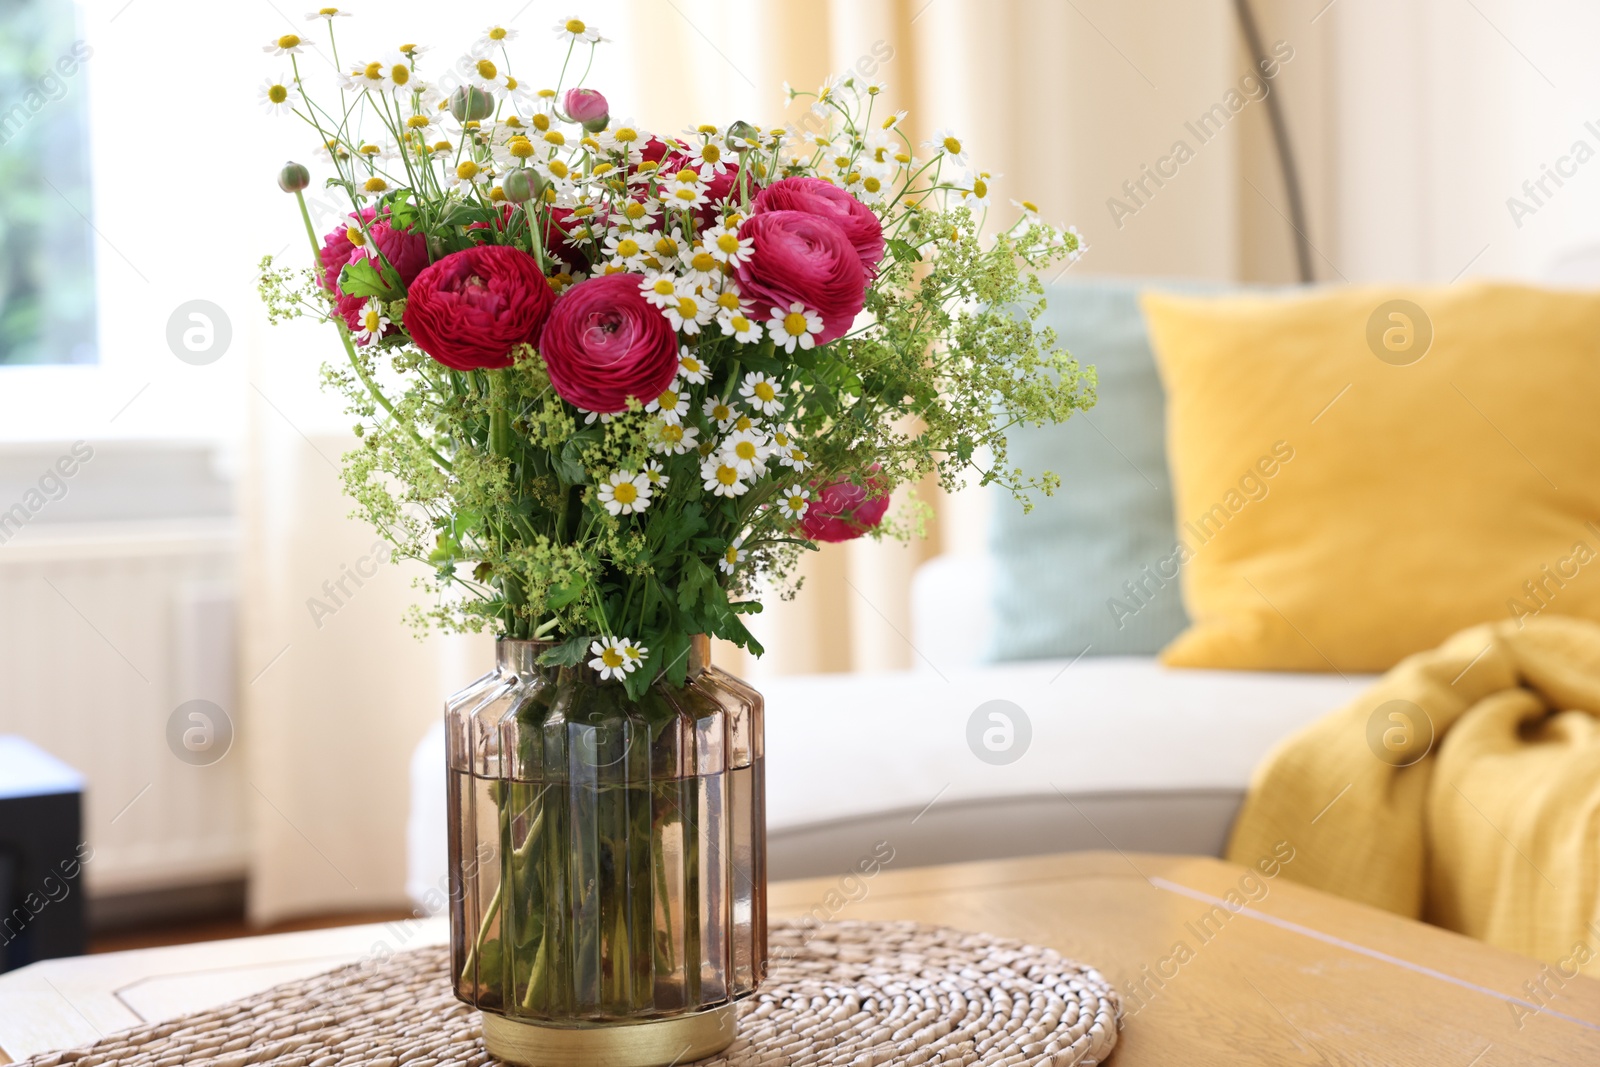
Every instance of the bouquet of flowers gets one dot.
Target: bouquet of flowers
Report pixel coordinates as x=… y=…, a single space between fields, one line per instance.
x=610 y=384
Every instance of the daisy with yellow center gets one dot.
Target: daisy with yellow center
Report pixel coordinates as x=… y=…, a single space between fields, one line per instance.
x=483 y=74
x=796 y=328
x=732 y=556
x=278 y=96
x=655 y=475
x=726 y=245
x=690 y=368
x=624 y=250
x=795 y=502
x=739 y=326
x=468 y=173
x=326 y=13
x=659 y=289
x=673 y=439
x=576 y=31
x=720 y=476
x=747 y=451
x=689 y=309
x=946 y=141
x=371 y=323
x=372 y=186
x=719 y=412
x=670 y=404
x=493 y=37
x=625 y=492
x=287 y=45
x=761 y=393
x=795 y=458
x=615 y=657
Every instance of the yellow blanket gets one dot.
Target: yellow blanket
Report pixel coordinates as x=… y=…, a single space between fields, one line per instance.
x=1462 y=789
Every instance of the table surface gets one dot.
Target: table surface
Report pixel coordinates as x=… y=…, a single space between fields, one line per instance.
x=1218 y=965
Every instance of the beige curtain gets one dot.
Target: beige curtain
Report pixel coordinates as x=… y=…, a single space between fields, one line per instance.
x=1063 y=102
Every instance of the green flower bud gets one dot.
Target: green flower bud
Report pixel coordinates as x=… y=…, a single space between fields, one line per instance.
x=467 y=103
x=596 y=125
x=741 y=135
x=521 y=185
x=293 y=178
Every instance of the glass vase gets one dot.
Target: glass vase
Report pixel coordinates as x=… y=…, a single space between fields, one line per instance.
x=607 y=860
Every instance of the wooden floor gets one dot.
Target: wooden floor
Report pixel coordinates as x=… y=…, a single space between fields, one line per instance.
x=222 y=928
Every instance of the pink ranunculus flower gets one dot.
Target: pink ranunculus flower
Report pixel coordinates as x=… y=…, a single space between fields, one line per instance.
x=584 y=106
x=407 y=252
x=817 y=197
x=473 y=307
x=843 y=510
x=604 y=343
x=796 y=256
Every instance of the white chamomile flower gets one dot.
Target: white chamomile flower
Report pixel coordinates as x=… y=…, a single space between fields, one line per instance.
x=611 y=658
x=666 y=247
x=576 y=30
x=655 y=475
x=690 y=309
x=783 y=436
x=636 y=215
x=683 y=190
x=703 y=268
x=796 y=327
x=279 y=96
x=482 y=74
x=670 y=404
x=719 y=412
x=591 y=417
x=372 y=185
x=732 y=556
x=946 y=141
x=721 y=476
x=362 y=77
x=794 y=457
x=870 y=184
x=326 y=13
x=468 y=173
x=1030 y=211
x=747 y=451
x=761 y=393
x=625 y=492
x=710 y=154
x=624 y=250
x=633 y=651
x=795 y=502
x=739 y=326
x=659 y=289
x=493 y=37
x=674 y=438
x=1074 y=243
x=726 y=245
x=287 y=45
x=689 y=366
x=975 y=191
x=371 y=324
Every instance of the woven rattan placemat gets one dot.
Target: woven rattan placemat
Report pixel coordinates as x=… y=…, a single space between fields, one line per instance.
x=846 y=993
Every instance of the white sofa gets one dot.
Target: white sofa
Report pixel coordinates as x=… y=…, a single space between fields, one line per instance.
x=1124 y=753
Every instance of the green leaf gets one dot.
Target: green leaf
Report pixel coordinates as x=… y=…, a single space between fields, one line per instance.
x=568 y=653
x=745 y=607
x=697 y=581
x=675 y=657
x=562 y=595
x=903 y=251
x=570 y=465
x=361 y=278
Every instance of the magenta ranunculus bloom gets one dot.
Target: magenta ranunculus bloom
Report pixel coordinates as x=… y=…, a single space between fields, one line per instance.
x=796 y=256
x=843 y=511
x=817 y=197
x=470 y=309
x=604 y=343
x=584 y=105
x=407 y=252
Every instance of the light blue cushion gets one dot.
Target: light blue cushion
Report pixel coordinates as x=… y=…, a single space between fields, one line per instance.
x=1080 y=574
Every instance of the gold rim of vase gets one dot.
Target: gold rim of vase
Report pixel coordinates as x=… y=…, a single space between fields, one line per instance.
x=648 y=1043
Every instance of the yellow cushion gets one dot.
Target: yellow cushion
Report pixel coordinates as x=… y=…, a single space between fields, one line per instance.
x=1356 y=479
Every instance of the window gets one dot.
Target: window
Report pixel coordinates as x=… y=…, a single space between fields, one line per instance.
x=47 y=280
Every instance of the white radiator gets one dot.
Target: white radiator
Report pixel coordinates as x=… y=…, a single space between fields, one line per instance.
x=104 y=631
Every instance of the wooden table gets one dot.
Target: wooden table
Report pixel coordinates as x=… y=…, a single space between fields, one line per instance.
x=1292 y=976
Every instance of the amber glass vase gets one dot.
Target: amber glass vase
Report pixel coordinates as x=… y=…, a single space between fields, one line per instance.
x=607 y=860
